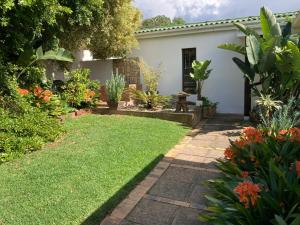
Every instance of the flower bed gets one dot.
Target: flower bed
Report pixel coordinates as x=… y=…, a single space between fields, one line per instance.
x=260 y=182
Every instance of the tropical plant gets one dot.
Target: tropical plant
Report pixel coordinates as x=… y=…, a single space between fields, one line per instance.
x=114 y=89
x=266 y=105
x=150 y=99
x=273 y=58
x=200 y=73
x=259 y=182
x=284 y=117
x=30 y=57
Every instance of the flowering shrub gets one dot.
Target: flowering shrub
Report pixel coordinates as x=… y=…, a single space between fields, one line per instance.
x=45 y=100
x=24 y=128
x=79 y=91
x=261 y=182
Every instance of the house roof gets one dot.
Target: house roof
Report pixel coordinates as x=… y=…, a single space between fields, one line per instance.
x=212 y=23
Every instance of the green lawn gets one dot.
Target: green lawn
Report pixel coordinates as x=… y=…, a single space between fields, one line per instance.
x=78 y=179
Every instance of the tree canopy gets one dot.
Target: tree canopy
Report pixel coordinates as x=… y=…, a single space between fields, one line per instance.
x=115 y=35
x=108 y=24
x=160 y=21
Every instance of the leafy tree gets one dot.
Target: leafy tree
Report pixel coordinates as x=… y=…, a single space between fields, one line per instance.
x=178 y=21
x=106 y=26
x=160 y=21
x=115 y=34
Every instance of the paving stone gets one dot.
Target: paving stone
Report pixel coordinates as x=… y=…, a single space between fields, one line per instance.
x=198 y=193
x=180 y=175
x=149 y=212
x=172 y=189
x=195 y=151
x=186 y=216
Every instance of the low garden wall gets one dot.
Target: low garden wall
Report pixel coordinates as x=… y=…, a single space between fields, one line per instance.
x=189 y=119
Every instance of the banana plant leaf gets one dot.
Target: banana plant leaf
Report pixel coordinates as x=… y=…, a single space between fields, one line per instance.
x=269 y=25
x=233 y=47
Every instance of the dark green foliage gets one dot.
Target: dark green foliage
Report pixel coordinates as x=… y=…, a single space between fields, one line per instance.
x=24 y=128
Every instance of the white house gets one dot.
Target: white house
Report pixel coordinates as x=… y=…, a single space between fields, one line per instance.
x=174 y=49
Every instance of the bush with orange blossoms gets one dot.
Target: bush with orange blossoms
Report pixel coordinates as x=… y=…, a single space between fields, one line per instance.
x=261 y=179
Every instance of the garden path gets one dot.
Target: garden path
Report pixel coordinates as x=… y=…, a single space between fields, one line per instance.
x=173 y=193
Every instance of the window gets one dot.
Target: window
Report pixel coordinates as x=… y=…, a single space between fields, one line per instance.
x=188 y=84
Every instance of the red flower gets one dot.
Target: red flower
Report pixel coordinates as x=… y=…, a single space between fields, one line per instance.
x=228 y=153
x=248 y=192
x=245 y=174
x=298 y=168
x=240 y=143
x=23 y=91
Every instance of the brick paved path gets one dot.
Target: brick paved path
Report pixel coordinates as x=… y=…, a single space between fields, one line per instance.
x=173 y=193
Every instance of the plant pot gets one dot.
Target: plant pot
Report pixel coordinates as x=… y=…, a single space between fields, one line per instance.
x=199 y=102
x=112 y=105
x=209 y=111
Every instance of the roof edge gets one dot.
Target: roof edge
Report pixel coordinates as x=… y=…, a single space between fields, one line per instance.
x=208 y=25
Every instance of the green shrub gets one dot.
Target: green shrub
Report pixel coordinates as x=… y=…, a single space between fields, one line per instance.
x=24 y=128
x=284 y=118
x=79 y=90
x=115 y=87
x=260 y=182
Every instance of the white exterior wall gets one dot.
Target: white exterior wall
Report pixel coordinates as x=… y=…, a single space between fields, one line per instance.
x=225 y=84
x=100 y=69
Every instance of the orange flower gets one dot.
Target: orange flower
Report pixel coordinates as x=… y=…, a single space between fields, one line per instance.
x=248 y=192
x=245 y=174
x=228 y=153
x=298 y=168
x=281 y=136
x=23 y=91
x=46 y=98
x=47 y=93
x=92 y=93
x=37 y=91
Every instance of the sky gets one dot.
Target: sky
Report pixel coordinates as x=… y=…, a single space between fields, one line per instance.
x=203 y=10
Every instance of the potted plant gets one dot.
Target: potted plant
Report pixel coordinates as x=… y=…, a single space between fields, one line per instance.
x=200 y=74
x=209 y=108
x=114 y=90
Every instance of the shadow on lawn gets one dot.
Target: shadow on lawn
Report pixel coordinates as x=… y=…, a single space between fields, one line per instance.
x=99 y=214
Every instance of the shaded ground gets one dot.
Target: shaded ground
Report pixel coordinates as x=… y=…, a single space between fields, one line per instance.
x=173 y=193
